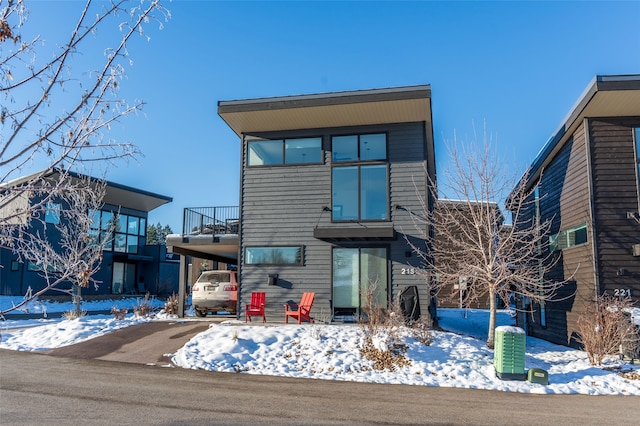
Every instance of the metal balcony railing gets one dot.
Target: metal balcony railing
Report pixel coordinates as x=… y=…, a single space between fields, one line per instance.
x=210 y=220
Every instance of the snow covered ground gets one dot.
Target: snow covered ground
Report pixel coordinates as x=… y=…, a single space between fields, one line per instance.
x=456 y=358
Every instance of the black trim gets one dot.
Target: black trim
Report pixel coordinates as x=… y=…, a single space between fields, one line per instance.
x=333 y=234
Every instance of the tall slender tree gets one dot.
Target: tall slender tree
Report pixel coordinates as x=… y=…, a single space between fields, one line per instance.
x=471 y=246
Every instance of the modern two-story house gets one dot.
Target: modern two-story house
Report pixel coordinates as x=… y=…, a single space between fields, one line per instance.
x=129 y=266
x=328 y=184
x=586 y=179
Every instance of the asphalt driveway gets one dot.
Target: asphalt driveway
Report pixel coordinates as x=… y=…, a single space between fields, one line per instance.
x=146 y=343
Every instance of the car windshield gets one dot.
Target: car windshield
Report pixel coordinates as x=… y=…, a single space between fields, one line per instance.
x=215 y=277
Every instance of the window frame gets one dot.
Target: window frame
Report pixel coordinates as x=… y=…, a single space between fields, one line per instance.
x=359 y=164
x=101 y=223
x=283 y=153
x=562 y=241
x=53 y=213
x=299 y=261
x=337 y=310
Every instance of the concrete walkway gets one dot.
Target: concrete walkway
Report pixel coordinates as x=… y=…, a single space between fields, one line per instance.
x=146 y=343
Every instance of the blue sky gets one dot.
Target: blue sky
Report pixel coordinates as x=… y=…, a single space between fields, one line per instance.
x=518 y=66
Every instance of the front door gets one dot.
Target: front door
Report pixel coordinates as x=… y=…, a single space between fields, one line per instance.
x=124 y=278
x=355 y=271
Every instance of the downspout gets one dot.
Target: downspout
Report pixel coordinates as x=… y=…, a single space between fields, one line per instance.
x=430 y=168
x=239 y=256
x=182 y=285
x=592 y=226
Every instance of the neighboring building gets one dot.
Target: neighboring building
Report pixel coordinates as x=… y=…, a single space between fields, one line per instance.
x=586 y=179
x=450 y=243
x=128 y=266
x=328 y=182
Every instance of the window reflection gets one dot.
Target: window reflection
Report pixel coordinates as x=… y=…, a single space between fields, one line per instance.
x=360 y=191
x=345 y=193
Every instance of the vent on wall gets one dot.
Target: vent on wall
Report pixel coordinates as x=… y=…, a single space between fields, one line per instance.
x=636 y=249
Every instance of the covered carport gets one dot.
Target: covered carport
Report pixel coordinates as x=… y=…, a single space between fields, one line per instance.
x=215 y=247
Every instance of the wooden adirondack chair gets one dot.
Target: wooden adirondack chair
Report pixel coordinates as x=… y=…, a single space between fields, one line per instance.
x=256 y=307
x=301 y=310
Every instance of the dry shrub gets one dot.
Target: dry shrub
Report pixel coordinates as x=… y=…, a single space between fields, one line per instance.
x=171 y=305
x=73 y=314
x=381 y=327
x=604 y=326
x=143 y=306
x=422 y=332
x=119 y=313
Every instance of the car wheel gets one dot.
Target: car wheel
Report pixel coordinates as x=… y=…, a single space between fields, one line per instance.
x=201 y=314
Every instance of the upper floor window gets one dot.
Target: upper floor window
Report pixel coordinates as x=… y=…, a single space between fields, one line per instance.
x=568 y=238
x=359 y=147
x=284 y=151
x=360 y=177
x=118 y=232
x=52 y=213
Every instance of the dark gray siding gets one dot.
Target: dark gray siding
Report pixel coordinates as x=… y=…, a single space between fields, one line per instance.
x=281 y=205
x=615 y=194
x=564 y=198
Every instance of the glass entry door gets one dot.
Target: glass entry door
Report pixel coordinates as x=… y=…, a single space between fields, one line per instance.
x=354 y=271
x=124 y=278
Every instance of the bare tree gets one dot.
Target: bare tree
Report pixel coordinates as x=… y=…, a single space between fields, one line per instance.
x=471 y=247
x=60 y=242
x=54 y=117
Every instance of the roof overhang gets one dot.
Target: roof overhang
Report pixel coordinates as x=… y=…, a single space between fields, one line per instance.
x=606 y=96
x=336 y=109
x=125 y=196
x=221 y=248
x=116 y=194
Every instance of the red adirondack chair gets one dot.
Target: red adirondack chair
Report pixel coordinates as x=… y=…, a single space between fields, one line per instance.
x=256 y=307
x=300 y=310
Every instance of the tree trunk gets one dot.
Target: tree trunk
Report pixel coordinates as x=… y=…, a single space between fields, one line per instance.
x=77 y=299
x=492 y=320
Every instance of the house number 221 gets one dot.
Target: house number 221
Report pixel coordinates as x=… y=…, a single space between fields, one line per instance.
x=622 y=292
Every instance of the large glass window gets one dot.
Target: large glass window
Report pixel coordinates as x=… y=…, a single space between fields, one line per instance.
x=356 y=273
x=360 y=193
x=373 y=147
x=118 y=232
x=265 y=153
x=345 y=193
x=123 y=280
x=359 y=147
x=373 y=192
x=284 y=151
x=273 y=255
x=302 y=151
x=360 y=187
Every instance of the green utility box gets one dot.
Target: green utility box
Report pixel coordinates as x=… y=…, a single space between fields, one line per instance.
x=538 y=375
x=509 y=351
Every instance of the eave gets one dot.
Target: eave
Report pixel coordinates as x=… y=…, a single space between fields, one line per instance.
x=606 y=96
x=336 y=109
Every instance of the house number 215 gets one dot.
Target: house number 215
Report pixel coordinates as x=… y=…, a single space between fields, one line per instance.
x=408 y=271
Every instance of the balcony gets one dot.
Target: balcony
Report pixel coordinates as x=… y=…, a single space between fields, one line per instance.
x=210 y=220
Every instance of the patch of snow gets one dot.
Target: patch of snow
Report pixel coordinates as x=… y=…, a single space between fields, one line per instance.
x=457 y=357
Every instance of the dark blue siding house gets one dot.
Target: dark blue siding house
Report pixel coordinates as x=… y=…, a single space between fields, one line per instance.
x=129 y=266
